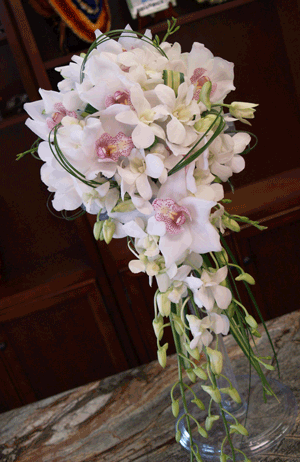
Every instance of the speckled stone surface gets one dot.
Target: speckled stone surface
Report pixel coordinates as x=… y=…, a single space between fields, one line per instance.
x=127 y=417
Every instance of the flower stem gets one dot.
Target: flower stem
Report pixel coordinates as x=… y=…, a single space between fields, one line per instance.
x=181 y=385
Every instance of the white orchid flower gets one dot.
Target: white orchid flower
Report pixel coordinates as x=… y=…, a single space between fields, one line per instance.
x=223 y=154
x=142 y=118
x=211 y=291
x=183 y=110
x=200 y=332
x=182 y=221
x=202 y=67
x=200 y=328
x=135 y=176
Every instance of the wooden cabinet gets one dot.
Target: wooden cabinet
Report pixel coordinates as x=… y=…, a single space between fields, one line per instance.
x=70 y=310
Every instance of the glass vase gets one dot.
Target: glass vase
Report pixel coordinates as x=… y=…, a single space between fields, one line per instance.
x=267 y=421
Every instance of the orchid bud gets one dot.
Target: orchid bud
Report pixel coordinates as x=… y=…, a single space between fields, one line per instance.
x=175 y=408
x=163 y=303
x=223 y=458
x=216 y=360
x=222 y=257
x=231 y=224
x=233 y=393
x=97 y=229
x=202 y=431
x=198 y=403
x=179 y=327
x=242 y=111
x=255 y=333
x=162 y=355
x=178 y=436
x=205 y=94
x=246 y=277
x=205 y=123
x=231 y=310
x=239 y=428
x=209 y=421
x=251 y=321
x=193 y=352
x=191 y=375
x=213 y=392
x=157 y=324
x=200 y=373
x=108 y=230
x=268 y=366
x=124 y=206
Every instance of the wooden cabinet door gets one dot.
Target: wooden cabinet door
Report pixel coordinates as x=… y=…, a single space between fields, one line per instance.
x=59 y=341
x=272 y=257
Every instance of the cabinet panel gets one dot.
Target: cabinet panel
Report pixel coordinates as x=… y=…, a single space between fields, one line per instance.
x=272 y=257
x=63 y=341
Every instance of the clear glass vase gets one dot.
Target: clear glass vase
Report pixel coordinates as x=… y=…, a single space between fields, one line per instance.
x=267 y=422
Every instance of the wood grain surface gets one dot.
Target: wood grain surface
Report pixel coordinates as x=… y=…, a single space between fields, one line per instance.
x=127 y=417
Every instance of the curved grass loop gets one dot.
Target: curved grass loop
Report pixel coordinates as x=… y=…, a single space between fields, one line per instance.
x=115 y=34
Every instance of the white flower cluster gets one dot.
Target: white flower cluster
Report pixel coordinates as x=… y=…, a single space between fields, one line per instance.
x=139 y=111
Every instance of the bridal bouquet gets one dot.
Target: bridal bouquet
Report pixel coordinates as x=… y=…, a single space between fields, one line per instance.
x=138 y=136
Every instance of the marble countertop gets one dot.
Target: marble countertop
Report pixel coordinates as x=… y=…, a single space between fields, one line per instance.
x=127 y=417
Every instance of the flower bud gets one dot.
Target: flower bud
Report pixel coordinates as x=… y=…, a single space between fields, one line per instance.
x=157 y=324
x=205 y=94
x=255 y=333
x=268 y=366
x=124 y=206
x=204 y=123
x=216 y=360
x=97 y=229
x=162 y=355
x=242 y=111
x=213 y=392
x=223 y=458
x=179 y=327
x=239 y=428
x=209 y=421
x=200 y=373
x=231 y=224
x=108 y=230
x=175 y=408
x=173 y=79
x=191 y=375
x=193 y=352
x=246 y=277
x=198 y=403
x=231 y=310
x=251 y=321
x=222 y=257
x=163 y=303
x=233 y=393
x=202 y=431
x=178 y=436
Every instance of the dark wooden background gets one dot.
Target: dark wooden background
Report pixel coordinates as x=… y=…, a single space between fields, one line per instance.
x=70 y=310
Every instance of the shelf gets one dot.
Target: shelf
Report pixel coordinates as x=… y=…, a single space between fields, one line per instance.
x=197 y=12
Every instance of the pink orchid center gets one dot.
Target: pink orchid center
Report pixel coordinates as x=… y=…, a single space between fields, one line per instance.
x=199 y=79
x=172 y=214
x=112 y=147
x=58 y=115
x=119 y=97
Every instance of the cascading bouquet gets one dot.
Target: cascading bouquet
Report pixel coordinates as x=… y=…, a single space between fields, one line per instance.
x=137 y=135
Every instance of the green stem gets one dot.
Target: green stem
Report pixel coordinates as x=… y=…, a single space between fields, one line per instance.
x=180 y=365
